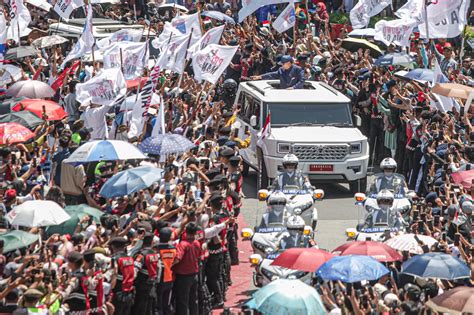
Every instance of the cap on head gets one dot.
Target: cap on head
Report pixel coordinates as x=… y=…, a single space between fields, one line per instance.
x=286 y=58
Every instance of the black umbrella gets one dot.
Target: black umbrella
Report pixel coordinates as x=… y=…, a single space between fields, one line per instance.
x=21 y=52
x=6 y=105
x=24 y=118
x=353 y=44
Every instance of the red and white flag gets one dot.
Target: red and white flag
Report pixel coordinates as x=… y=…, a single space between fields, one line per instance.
x=266 y=131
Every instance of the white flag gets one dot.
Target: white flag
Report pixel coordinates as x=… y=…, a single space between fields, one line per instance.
x=212 y=36
x=362 y=12
x=103 y=89
x=180 y=25
x=173 y=57
x=128 y=56
x=86 y=41
x=445 y=20
x=413 y=9
x=250 y=6
x=159 y=127
x=3 y=34
x=210 y=63
x=442 y=103
x=286 y=19
x=42 y=4
x=126 y=35
x=397 y=32
x=64 y=8
x=19 y=19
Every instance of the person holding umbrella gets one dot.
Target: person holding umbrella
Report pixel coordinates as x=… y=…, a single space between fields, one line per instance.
x=290 y=75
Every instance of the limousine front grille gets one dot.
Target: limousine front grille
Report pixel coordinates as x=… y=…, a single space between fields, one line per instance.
x=331 y=152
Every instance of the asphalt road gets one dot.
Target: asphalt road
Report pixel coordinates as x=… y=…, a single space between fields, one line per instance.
x=336 y=212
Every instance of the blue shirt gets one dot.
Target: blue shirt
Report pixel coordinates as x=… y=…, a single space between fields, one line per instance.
x=293 y=77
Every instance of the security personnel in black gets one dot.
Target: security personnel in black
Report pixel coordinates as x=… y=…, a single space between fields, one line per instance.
x=214 y=264
x=235 y=183
x=95 y=287
x=76 y=294
x=227 y=93
x=123 y=277
x=376 y=135
x=147 y=268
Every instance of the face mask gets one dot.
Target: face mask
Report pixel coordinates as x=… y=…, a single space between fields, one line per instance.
x=290 y=172
x=388 y=173
x=384 y=207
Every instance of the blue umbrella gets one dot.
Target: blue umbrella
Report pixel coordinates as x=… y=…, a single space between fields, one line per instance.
x=353 y=268
x=424 y=75
x=436 y=265
x=105 y=150
x=219 y=16
x=394 y=59
x=166 y=144
x=129 y=181
x=285 y=297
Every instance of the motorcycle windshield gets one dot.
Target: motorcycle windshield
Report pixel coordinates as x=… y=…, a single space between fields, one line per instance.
x=394 y=183
x=383 y=219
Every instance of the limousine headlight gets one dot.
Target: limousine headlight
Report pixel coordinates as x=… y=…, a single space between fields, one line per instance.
x=283 y=148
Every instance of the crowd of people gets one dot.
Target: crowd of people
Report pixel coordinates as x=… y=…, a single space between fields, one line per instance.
x=169 y=248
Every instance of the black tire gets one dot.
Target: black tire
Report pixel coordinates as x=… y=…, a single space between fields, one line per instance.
x=262 y=176
x=245 y=169
x=358 y=185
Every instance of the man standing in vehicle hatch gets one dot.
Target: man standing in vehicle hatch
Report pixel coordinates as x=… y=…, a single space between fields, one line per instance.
x=291 y=76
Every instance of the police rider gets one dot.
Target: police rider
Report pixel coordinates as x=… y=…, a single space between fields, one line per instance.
x=275 y=214
x=290 y=175
x=382 y=214
x=294 y=237
x=390 y=180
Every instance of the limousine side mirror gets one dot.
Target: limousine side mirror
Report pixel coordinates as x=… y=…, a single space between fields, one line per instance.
x=253 y=121
x=358 y=121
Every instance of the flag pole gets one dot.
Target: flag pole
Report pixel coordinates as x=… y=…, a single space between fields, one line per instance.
x=121 y=60
x=425 y=12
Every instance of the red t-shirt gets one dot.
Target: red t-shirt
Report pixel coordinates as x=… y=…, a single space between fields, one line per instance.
x=187 y=252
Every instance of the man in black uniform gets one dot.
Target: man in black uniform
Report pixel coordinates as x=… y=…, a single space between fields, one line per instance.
x=95 y=281
x=147 y=269
x=76 y=294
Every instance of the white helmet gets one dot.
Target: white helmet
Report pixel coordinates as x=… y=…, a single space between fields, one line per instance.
x=385 y=196
x=290 y=159
x=277 y=198
x=388 y=164
x=295 y=222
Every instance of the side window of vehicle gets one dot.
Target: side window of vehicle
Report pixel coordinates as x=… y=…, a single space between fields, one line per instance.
x=247 y=107
x=256 y=111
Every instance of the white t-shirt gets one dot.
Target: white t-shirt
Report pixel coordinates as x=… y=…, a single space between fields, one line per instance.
x=94 y=118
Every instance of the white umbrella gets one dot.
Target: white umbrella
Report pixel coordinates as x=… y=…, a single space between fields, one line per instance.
x=407 y=242
x=105 y=150
x=9 y=72
x=48 y=41
x=30 y=89
x=35 y=213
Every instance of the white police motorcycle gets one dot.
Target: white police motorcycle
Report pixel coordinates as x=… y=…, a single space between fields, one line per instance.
x=270 y=240
x=390 y=220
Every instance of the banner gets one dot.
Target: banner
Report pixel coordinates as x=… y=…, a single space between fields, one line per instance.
x=64 y=8
x=173 y=57
x=3 y=34
x=440 y=102
x=128 y=56
x=144 y=101
x=86 y=41
x=212 y=36
x=120 y=36
x=396 y=32
x=19 y=19
x=42 y=4
x=250 y=6
x=362 y=12
x=286 y=19
x=449 y=24
x=103 y=89
x=210 y=63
